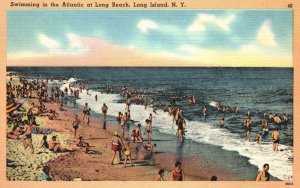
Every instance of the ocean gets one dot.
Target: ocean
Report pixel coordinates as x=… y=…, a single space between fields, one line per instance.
x=258 y=89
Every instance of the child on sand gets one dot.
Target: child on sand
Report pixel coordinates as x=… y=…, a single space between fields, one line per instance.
x=160 y=175
x=81 y=143
x=44 y=143
x=177 y=173
x=150 y=148
x=127 y=153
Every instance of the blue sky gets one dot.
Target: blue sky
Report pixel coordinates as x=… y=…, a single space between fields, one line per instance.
x=190 y=34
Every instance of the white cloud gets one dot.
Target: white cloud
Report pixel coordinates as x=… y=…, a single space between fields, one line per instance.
x=74 y=40
x=48 y=42
x=190 y=49
x=146 y=25
x=249 y=48
x=265 y=35
x=201 y=22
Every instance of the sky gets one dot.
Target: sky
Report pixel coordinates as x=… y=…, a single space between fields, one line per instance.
x=235 y=38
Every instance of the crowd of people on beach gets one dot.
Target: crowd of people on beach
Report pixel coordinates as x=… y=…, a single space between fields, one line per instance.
x=23 y=123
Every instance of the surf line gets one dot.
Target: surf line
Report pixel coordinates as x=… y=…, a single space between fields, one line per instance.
x=19 y=4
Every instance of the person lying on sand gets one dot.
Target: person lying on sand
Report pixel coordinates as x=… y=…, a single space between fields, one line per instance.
x=55 y=146
x=53 y=115
x=81 y=143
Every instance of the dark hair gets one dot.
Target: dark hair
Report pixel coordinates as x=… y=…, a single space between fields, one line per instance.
x=161 y=171
x=53 y=137
x=177 y=163
x=45 y=137
x=154 y=145
x=265 y=165
x=214 y=178
x=46 y=169
x=276 y=129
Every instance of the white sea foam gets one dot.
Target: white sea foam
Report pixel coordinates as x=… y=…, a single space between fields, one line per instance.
x=280 y=165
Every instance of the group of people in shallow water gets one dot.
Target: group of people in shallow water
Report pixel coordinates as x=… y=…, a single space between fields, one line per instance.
x=275 y=120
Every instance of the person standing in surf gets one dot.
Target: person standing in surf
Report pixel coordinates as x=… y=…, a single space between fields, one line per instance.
x=247 y=124
x=204 y=112
x=275 y=137
x=222 y=123
x=85 y=110
x=180 y=129
x=104 y=111
x=148 y=129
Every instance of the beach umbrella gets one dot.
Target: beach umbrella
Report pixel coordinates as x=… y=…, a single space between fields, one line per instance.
x=12 y=107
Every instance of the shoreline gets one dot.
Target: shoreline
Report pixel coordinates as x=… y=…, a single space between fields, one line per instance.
x=71 y=162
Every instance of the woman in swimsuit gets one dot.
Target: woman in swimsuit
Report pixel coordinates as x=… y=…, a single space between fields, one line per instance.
x=264 y=174
x=115 y=147
x=177 y=173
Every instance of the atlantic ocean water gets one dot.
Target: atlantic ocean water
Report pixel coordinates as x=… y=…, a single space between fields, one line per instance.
x=258 y=89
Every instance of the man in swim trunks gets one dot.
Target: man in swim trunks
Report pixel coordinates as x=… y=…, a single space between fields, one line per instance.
x=104 y=111
x=275 y=137
x=26 y=137
x=54 y=145
x=148 y=129
x=75 y=124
